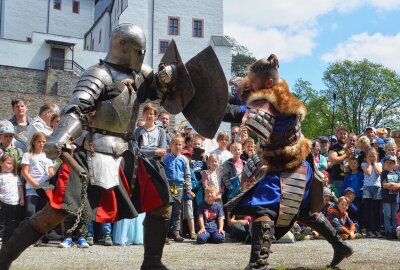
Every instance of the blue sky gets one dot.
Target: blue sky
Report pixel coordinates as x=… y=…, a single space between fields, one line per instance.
x=307 y=35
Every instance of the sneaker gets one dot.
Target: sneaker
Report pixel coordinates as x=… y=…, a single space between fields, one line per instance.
x=107 y=240
x=167 y=241
x=66 y=243
x=82 y=243
x=53 y=235
x=178 y=238
x=370 y=234
x=90 y=239
x=378 y=234
x=358 y=236
x=193 y=236
x=306 y=232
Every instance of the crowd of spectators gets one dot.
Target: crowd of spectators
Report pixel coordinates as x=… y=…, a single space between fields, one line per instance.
x=360 y=175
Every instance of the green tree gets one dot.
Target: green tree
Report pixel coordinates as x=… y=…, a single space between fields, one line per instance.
x=319 y=117
x=241 y=58
x=368 y=94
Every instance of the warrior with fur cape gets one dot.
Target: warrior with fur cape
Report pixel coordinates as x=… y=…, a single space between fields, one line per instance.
x=291 y=189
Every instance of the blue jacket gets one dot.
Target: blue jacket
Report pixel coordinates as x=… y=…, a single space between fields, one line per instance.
x=177 y=170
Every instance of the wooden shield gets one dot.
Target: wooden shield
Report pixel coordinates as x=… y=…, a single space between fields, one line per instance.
x=183 y=91
x=207 y=108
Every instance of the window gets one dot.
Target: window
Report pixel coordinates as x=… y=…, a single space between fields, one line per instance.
x=198 y=28
x=99 y=36
x=173 y=25
x=163 y=46
x=57 y=4
x=75 y=6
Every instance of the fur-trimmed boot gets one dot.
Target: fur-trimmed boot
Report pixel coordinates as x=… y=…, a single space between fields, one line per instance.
x=23 y=236
x=262 y=234
x=154 y=232
x=340 y=249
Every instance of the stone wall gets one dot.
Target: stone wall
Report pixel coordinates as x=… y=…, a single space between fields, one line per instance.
x=35 y=86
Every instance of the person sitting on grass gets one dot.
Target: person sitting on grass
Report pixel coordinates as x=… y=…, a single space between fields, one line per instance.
x=211 y=218
x=339 y=218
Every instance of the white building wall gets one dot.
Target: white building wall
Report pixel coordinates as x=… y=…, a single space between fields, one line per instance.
x=100 y=45
x=67 y=23
x=22 y=17
x=211 y=11
x=37 y=51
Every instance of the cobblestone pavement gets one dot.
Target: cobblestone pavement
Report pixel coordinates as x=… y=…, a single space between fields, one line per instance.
x=311 y=254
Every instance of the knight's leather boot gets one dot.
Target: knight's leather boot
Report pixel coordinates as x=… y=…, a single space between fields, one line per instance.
x=262 y=234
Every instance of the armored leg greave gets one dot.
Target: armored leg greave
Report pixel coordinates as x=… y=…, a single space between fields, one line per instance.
x=155 y=232
x=24 y=236
x=341 y=250
x=262 y=234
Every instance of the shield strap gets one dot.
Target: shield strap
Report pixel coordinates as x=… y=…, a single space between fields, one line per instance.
x=293 y=186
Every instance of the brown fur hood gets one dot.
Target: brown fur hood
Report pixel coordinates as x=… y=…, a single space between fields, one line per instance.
x=290 y=156
x=279 y=96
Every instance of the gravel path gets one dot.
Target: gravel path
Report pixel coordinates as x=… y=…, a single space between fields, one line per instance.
x=311 y=254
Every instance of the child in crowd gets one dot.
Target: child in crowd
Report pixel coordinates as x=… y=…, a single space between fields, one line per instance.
x=332 y=188
x=390 y=195
x=222 y=152
x=231 y=172
x=212 y=176
x=177 y=170
x=198 y=164
x=340 y=220
x=354 y=209
x=7 y=135
x=248 y=149
x=106 y=230
x=188 y=199
x=11 y=196
x=327 y=200
x=372 y=193
x=36 y=169
x=354 y=180
x=211 y=218
x=390 y=150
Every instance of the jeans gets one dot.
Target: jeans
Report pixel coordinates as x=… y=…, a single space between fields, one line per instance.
x=213 y=237
x=372 y=192
x=389 y=216
x=175 y=221
x=105 y=228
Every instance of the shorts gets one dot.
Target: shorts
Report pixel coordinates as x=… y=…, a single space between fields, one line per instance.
x=372 y=192
x=187 y=209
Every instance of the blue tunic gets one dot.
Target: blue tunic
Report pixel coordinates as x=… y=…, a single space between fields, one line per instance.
x=267 y=194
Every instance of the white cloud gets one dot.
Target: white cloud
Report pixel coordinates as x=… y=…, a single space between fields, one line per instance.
x=377 y=48
x=286 y=44
x=287 y=27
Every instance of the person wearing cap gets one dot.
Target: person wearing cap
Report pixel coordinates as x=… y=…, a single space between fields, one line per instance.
x=390 y=195
x=339 y=153
x=378 y=145
x=370 y=132
x=324 y=144
x=188 y=130
x=328 y=193
x=354 y=209
x=7 y=134
x=382 y=133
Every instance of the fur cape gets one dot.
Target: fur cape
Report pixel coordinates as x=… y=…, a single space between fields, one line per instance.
x=290 y=156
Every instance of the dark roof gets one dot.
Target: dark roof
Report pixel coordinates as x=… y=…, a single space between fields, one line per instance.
x=220 y=41
x=57 y=42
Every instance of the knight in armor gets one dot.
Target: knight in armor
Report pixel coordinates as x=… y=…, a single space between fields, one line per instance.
x=291 y=189
x=103 y=179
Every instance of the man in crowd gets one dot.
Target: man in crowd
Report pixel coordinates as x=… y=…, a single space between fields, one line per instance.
x=42 y=121
x=164 y=118
x=370 y=132
x=20 y=119
x=324 y=145
x=337 y=155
